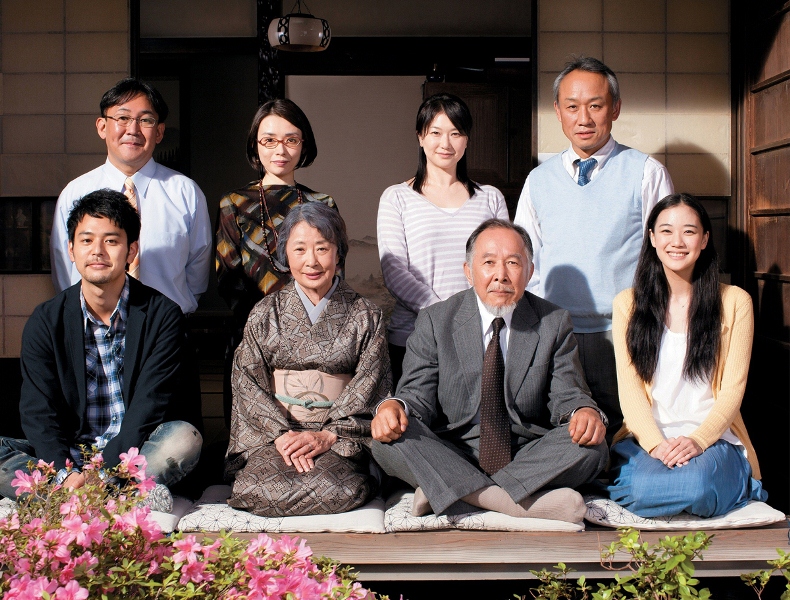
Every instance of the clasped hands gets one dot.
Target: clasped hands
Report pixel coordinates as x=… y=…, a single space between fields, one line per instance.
x=676 y=452
x=585 y=426
x=299 y=448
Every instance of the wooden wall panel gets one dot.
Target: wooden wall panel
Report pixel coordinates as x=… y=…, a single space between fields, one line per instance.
x=772 y=311
x=770 y=233
x=770 y=178
x=762 y=226
x=777 y=59
x=770 y=117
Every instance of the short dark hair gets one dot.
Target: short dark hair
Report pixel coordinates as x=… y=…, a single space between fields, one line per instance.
x=458 y=113
x=129 y=88
x=325 y=219
x=106 y=204
x=288 y=110
x=591 y=65
x=497 y=224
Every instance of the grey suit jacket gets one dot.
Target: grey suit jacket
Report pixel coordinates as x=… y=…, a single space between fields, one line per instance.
x=443 y=366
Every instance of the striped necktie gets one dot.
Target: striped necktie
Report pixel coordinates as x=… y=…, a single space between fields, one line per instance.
x=131 y=194
x=585 y=168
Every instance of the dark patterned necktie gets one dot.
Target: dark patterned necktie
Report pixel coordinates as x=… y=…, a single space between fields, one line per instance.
x=585 y=168
x=494 y=420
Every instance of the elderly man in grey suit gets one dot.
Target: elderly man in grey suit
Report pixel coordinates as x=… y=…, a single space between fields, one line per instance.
x=492 y=409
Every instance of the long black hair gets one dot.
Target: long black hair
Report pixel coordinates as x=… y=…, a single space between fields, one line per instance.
x=458 y=113
x=651 y=301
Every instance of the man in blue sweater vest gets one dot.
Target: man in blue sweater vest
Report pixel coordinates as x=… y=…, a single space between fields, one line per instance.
x=585 y=210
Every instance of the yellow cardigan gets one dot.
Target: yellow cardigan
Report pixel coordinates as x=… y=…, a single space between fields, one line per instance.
x=728 y=382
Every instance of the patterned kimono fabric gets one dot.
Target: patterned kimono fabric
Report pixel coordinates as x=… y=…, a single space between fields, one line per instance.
x=348 y=338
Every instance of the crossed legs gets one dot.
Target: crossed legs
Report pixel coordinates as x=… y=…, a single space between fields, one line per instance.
x=445 y=475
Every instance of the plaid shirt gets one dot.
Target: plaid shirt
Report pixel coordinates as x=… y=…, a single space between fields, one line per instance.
x=104 y=349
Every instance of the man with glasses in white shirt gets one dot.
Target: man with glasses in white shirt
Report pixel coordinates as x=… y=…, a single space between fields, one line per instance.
x=176 y=237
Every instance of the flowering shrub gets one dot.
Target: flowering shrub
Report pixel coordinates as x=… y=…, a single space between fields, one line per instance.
x=97 y=541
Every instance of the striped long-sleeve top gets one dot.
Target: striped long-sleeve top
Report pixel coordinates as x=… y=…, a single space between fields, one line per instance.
x=422 y=247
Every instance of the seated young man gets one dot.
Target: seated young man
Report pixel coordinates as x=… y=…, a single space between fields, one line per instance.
x=101 y=362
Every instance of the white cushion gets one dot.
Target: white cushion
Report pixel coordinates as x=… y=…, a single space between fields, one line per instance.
x=608 y=513
x=212 y=513
x=169 y=521
x=398 y=517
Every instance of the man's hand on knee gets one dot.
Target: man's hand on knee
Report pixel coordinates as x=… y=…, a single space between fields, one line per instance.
x=586 y=427
x=390 y=422
x=74 y=480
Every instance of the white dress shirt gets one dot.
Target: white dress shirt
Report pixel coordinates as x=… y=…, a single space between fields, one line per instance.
x=656 y=184
x=175 y=238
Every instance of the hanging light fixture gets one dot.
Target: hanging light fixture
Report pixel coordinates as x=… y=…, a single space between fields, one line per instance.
x=299 y=32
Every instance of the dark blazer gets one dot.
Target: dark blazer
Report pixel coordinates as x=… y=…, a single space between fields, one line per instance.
x=53 y=400
x=443 y=367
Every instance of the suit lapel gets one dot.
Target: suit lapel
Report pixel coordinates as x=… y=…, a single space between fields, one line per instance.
x=521 y=347
x=74 y=325
x=468 y=340
x=134 y=328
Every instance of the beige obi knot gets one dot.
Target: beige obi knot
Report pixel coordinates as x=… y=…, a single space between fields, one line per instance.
x=307 y=396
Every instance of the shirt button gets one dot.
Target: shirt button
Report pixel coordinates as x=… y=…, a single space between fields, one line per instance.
x=115 y=419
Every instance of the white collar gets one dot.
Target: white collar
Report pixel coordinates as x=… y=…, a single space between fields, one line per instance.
x=601 y=155
x=313 y=312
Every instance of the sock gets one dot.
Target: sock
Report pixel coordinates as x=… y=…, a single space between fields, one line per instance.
x=562 y=504
x=420 y=505
x=495 y=498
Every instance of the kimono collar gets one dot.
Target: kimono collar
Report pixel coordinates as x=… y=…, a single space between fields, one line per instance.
x=313 y=312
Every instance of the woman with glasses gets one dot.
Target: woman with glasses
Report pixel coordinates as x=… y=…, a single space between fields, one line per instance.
x=279 y=142
x=423 y=223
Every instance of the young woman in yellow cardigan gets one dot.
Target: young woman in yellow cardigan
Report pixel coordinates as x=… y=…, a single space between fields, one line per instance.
x=682 y=345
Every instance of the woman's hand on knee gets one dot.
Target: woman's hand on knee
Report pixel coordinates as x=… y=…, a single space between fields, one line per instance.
x=682 y=451
x=299 y=449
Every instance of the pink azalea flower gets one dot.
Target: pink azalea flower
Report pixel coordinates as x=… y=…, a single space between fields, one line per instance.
x=71 y=591
x=263 y=544
x=26 y=483
x=133 y=463
x=187 y=549
x=138 y=518
x=195 y=572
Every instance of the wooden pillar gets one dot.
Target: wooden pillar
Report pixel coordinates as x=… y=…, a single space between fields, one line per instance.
x=271 y=83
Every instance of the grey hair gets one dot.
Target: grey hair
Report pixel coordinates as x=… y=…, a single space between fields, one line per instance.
x=323 y=218
x=591 y=65
x=497 y=224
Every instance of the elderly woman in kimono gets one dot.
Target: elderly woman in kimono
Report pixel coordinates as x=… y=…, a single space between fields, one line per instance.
x=311 y=368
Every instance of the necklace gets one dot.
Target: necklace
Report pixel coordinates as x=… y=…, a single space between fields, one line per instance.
x=264 y=221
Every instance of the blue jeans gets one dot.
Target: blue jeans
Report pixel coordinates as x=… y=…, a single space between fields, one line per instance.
x=172 y=450
x=714 y=483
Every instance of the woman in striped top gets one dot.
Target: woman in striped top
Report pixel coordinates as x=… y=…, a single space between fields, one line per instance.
x=423 y=223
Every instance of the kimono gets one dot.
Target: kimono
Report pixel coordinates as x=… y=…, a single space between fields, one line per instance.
x=347 y=338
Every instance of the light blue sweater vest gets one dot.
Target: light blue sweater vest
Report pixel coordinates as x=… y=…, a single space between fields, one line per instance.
x=591 y=234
